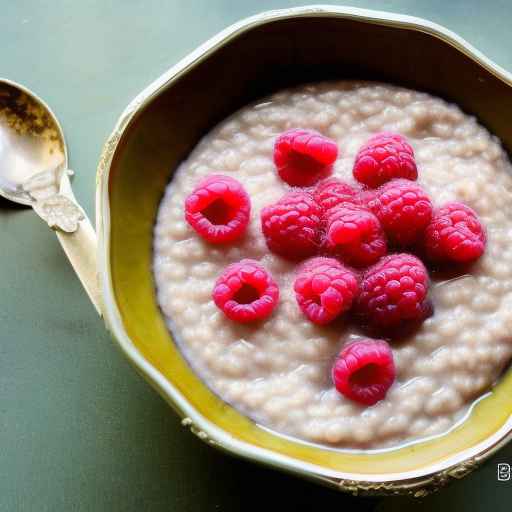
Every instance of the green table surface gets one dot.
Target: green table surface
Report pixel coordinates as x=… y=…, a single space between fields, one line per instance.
x=79 y=429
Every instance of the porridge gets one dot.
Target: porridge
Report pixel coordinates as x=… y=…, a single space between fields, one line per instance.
x=278 y=371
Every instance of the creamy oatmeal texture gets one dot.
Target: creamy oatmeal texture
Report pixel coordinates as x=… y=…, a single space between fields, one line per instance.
x=279 y=372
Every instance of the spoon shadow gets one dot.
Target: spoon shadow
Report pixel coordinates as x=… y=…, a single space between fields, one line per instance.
x=6 y=205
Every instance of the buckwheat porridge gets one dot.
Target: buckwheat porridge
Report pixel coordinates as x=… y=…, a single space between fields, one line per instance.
x=278 y=372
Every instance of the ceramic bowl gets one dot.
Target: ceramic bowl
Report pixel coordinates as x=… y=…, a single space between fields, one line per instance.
x=163 y=123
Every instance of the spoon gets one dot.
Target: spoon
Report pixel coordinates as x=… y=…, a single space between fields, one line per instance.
x=34 y=172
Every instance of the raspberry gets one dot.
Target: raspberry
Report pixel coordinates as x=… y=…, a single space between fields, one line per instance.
x=303 y=157
x=394 y=292
x=354 y=234
x=364 y=371
x=325 y=289
x=455 y=234
x=404 y=211
x=292 y=225
x=245 y=292
x=333 y=191
x=218 y=209
x=385 y=156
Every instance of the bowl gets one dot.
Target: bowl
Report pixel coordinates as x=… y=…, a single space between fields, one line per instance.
x=163 y=123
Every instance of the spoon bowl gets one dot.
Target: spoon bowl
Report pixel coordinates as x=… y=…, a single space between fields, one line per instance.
x=31 y=141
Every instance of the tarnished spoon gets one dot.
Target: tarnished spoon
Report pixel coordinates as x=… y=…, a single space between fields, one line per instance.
x=34 y=172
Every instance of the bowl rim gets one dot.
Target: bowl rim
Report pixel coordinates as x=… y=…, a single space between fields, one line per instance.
x=417 y=482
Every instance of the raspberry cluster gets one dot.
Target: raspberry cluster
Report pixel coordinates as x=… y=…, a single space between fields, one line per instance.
x=346 y=231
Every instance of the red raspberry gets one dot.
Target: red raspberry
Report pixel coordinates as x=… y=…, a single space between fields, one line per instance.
x=455 y=235
x=218 y=209
x=404 y=211
x=333 y=191
x=354 y=234
x=325 y=289
x=394 y=292
x=364 y=371
x=303 y=157
x=245 y=292
x=384 y=156
x=292 y=225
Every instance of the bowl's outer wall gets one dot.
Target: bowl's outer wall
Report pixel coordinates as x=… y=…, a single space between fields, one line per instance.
x=257 y=62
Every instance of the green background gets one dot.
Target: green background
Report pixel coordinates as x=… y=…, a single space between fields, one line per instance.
x=79 y=429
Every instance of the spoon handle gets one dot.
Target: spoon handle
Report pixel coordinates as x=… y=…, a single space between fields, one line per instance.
x=81 y=249
x=53 y=200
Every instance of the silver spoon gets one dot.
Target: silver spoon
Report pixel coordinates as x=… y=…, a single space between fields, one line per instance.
x=34 y=172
